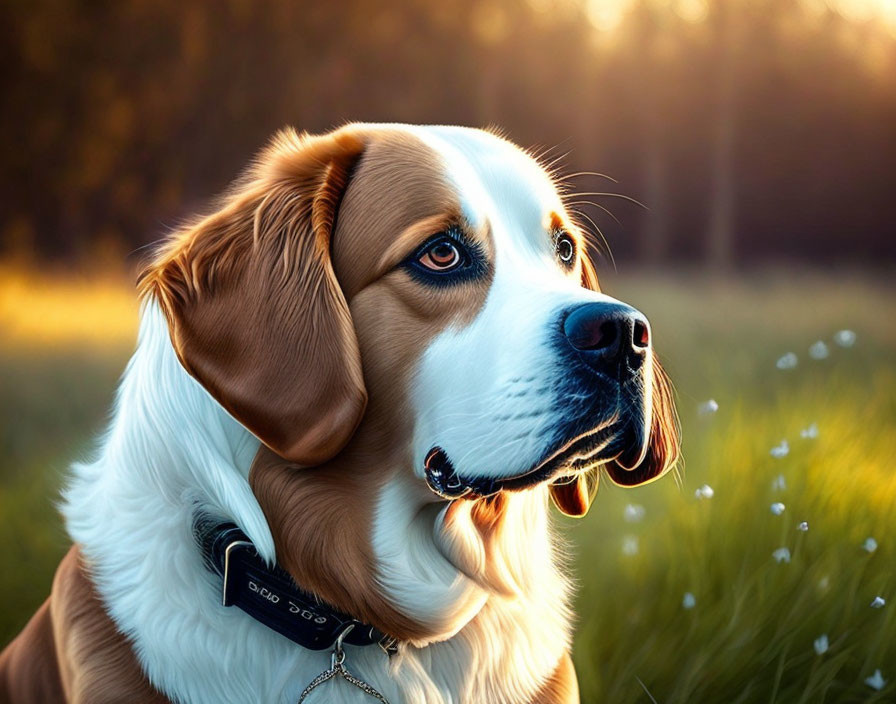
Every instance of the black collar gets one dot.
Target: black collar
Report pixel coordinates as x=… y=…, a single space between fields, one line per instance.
x=269 y=594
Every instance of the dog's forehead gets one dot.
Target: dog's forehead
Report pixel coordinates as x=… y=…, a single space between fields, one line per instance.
x=502 y=185
x=495 y=180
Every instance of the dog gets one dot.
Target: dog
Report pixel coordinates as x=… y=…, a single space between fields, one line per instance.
x=357 y=383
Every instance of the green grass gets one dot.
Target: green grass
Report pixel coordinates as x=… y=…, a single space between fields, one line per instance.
x=749 y=637
x=52 y=403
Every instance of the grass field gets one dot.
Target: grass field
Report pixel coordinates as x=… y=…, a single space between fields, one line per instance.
x=751 y=630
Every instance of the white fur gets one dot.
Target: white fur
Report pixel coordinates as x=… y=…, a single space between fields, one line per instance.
x=170 y=445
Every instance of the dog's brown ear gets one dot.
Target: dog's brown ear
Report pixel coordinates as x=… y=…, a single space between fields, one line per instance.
x=663 y=443
x=255 y=312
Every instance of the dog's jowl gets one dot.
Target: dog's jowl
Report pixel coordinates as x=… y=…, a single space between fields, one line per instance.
x=358 y=385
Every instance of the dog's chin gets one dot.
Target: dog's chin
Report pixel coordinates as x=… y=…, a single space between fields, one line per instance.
x=467 y=532
x=571 y=459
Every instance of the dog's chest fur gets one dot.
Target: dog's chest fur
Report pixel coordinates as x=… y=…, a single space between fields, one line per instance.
x=170 y=446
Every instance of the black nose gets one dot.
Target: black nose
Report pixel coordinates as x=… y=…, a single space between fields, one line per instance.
x=607 y=333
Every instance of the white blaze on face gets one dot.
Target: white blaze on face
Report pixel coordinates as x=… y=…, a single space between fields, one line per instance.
x=486 y=392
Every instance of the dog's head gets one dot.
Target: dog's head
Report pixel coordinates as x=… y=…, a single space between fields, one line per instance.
x=414 y=302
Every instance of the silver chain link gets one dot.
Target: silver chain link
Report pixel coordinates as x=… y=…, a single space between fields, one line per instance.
x=337 y=667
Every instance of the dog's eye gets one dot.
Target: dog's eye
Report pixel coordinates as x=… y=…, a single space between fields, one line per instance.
x=441 y=255
x=446 y=259
x=565 y=248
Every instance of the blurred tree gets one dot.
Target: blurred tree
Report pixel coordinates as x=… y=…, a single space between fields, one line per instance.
x=750 y=129
x=725 y=56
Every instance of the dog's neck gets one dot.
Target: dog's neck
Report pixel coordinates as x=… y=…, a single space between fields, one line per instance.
x=171 y=447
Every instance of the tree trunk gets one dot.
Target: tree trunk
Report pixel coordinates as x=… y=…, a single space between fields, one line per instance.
x=720 y=239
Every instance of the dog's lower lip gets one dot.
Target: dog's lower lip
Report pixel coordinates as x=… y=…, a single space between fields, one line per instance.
x=443 y=479
x=603 y=437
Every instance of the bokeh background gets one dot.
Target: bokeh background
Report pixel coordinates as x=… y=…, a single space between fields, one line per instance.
x=734 y=160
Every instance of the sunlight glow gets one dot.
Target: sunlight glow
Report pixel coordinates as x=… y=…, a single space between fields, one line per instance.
x=41 y=311
x=693 y=11
x=867 y=10
x=856 y=10
x=608 y=15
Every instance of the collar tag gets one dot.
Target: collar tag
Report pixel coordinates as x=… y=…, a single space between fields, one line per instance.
x=337 y=667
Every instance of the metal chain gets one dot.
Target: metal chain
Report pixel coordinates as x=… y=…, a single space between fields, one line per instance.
x=337 y=667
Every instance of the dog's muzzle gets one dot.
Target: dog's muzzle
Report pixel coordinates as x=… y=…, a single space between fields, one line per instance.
x=604 y=345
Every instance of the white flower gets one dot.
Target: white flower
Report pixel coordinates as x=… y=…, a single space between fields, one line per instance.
x=781 y=555
x=788 y=361
x=878 y=602
x=824 y=583
x=689 y=601
x=810 y=433
x=779 y=483
x=845 y=338
x=780 y=450
x=819 y=350
x=803 y=527
x=876 y=681
x=704 y=492
x=633 y=513
x=777 y=508
x=629 y=545
x=870 y=544
x=707 y=407
x=821 y=644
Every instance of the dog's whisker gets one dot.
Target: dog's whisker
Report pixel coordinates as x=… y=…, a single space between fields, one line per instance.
x=622 y=196
x=606 y=245
x=579 y=174
x=595 y=205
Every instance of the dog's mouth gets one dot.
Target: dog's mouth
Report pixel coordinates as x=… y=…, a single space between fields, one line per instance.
x=575 y=457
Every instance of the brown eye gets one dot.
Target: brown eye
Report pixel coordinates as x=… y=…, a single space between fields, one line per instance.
x=442 y=255
x=565 y=247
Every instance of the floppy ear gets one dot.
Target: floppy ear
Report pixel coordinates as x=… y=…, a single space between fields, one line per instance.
x=254 y=309
x=574 y=498
x=663 y=443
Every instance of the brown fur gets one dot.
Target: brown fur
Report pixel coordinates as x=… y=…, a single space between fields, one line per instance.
x=71 y=650
x=29 y=671
x=562 y=687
